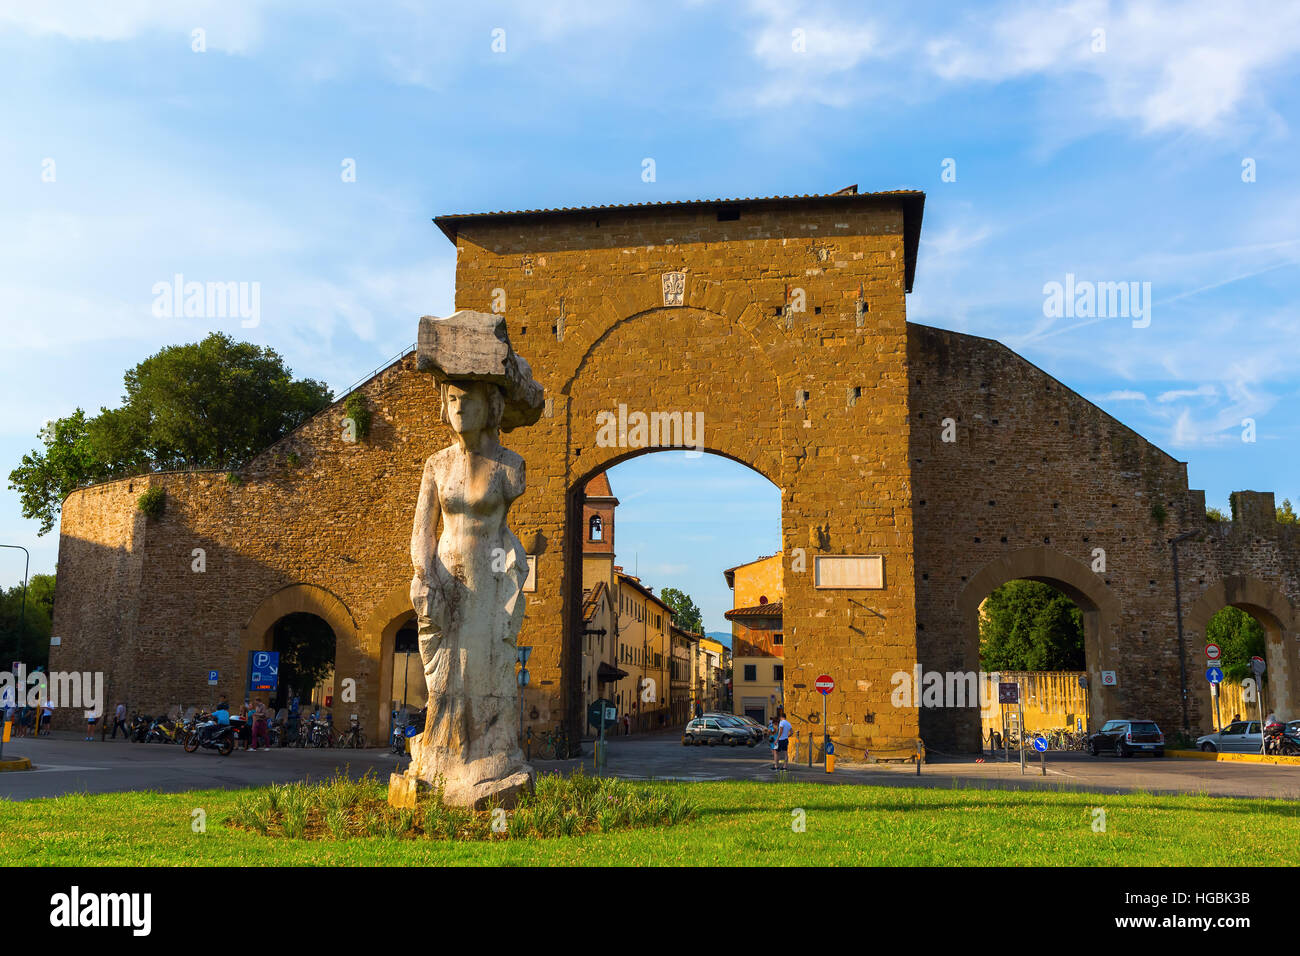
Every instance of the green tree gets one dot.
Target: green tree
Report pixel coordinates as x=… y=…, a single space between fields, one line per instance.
x=209 y=404
x=1214 y=514
x=1284 y=513
x=1026 y=625
x=306 y=644
x=1240 y=637
x=25 y=633
x=686 y=614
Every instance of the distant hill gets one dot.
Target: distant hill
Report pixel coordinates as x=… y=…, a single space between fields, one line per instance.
x=722 y=637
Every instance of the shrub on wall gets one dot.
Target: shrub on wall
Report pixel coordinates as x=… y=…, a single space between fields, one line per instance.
x=152 y=502
x=358 y=409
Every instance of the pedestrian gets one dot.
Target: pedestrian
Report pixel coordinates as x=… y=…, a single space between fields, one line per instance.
x=245 y=726
x=119 y=720
x=47 y=715
x=627 y=725
x=91 y=718
x=783 y=730
x=771 y=739
x=1235 y=718
x=259 y=734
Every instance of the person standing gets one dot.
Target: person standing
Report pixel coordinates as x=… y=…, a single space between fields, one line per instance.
x=783 y=730
x=259 y=733
x=92 y=717
x=771 y=739
x=119 y=720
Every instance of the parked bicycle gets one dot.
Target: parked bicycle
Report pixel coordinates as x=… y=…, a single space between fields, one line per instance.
x=352 y=737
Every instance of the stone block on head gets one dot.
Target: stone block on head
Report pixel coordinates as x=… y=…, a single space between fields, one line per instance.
x=470 y=346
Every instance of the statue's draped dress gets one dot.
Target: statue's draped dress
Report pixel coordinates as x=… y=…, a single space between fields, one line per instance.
x=468 y=627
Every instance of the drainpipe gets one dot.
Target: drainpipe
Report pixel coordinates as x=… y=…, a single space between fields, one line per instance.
x=1178 y=616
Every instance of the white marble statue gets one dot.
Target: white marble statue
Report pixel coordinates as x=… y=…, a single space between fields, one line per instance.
x=469 y=577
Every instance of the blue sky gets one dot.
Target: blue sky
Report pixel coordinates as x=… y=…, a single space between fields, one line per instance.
x=1121 y=162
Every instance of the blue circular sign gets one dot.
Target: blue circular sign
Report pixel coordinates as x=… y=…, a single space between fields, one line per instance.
x=1040 y=744
x=1214 y=675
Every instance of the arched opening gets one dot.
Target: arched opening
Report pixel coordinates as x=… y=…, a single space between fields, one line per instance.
x=313 y=624
x=1032 y=634
x=1244 y=617
x=307 y=646
x=654 y=635
x=409 y=689
x=1058 y=597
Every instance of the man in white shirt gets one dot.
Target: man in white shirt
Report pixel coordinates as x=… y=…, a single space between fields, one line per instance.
x=119 y=720
x=783 y=731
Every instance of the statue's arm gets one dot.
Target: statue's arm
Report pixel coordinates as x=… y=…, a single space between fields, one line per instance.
x=426 y=521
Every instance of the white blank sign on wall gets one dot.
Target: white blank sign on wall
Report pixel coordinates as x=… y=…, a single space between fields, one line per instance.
x=862 y=571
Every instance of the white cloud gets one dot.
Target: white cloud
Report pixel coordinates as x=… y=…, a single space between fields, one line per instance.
x=1123 y=395
x=1203 y=391
x=1168 y=64
x=228 y=27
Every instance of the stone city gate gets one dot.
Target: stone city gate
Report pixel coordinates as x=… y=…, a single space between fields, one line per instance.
x=918 y=469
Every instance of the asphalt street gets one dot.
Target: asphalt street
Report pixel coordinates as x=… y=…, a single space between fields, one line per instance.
x=64 y=764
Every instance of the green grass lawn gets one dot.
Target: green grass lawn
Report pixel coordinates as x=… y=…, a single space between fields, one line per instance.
x=737 y=824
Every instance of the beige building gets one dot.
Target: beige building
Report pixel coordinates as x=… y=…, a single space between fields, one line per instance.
x=681 y=674
x=757 y=637
x=711 y=662
x=626 y=649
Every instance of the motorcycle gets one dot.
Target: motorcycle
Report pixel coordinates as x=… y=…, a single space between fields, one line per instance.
x=1279 y=742
x=162 y=730
x=210 y=735
x=413 y=726
x=138 y=729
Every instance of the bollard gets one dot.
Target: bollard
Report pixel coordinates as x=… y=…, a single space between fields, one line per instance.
x=830 y=756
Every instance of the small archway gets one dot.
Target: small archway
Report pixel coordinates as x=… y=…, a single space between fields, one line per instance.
x=392 y=621
x=1274 y=612
x=1099 y=605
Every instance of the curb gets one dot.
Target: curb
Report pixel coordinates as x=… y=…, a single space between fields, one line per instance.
x=15 y=763
x=1233 y=758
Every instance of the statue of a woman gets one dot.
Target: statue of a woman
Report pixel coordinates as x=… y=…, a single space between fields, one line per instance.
x=468 y=583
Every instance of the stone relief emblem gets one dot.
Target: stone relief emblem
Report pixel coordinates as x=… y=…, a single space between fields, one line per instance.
x=674 y=288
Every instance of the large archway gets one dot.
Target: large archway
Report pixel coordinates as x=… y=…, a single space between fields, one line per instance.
x=1275 y=613
x=723 y=515
x=1100 y=607
x=259 y=634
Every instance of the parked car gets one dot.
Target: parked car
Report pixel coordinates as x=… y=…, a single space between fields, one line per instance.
x=1239 y=737
x=712 y=731
x=750 y=726
x=1124 y=738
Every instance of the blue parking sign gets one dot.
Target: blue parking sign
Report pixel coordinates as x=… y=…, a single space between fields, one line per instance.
x=212 y=678
x=263 y=670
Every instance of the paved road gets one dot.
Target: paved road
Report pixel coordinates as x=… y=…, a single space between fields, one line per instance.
x=663 y=757
x=68 y=765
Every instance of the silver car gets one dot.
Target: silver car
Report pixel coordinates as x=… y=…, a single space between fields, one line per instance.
x=1239 y=737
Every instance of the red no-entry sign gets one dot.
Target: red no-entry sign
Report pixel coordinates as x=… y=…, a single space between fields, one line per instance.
x=824 y=684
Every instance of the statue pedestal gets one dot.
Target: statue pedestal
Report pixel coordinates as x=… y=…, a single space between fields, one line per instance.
x=403 y=791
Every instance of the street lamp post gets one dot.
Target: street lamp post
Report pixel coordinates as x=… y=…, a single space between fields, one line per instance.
x=22 y=614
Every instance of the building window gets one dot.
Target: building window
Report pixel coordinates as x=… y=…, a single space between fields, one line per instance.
x=778 y=672
x=594 y=528
x=778 y=638
x=751 y=672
